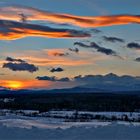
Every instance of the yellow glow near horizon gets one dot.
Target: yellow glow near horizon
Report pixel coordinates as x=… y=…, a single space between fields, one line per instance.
x=26 y=84
x=14 y=84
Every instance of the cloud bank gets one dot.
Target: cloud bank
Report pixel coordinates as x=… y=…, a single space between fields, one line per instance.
x=109 y=82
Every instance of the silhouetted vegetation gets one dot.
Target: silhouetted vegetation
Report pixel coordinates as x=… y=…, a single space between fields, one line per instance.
x=71 y=101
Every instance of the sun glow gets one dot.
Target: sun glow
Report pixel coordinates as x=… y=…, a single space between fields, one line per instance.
x=14 y=84
x=26 y=84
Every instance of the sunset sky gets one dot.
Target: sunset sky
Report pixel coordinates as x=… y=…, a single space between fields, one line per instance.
x=44 y=43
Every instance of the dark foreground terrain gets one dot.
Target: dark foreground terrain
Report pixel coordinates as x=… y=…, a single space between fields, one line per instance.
x=44 y=101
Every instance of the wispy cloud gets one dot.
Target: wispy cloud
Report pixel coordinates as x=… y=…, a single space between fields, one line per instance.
x=46 y=57
x=13 y=13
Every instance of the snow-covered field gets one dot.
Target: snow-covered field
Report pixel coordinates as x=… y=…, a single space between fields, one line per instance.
x=131 y=116
x=13 y=127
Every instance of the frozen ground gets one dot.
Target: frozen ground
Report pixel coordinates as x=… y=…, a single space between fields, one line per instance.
x=14 y=127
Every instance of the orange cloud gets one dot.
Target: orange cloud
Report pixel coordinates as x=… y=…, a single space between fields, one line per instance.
x=89 y=22
x=61 y=61
x=14 y=30
x=57 y=52
x=13 y=13
x=46 y=57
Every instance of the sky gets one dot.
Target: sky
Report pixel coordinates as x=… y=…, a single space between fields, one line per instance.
x=45 y=43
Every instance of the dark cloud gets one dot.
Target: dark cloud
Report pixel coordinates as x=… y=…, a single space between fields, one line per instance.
x=137 y=59
x=113 y=39
x=19 y=65
x=133 y=45
x=82 y=45
x=98 y=48
x=76 y=50
x=10 y=30
x=47 y=78
x=56 y=69
x=10 y=59
x=53 y=79
x=96 y=31
x=60 y=54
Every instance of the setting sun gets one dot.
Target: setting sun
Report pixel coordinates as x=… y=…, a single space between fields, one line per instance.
x=14 y=84
x=26 y=84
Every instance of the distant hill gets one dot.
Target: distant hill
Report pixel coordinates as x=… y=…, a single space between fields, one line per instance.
x=110 y=83
x=75 y=90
